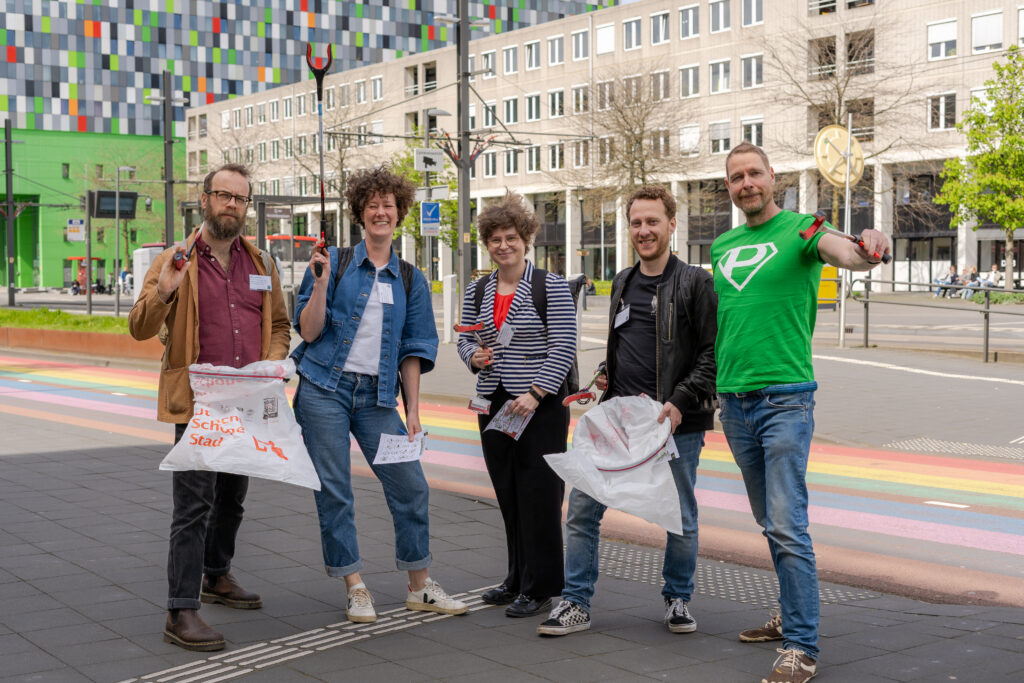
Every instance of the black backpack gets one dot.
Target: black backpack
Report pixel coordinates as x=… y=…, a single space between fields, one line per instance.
x=539 y=291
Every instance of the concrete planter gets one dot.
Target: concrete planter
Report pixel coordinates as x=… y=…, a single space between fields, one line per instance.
x=82 y=343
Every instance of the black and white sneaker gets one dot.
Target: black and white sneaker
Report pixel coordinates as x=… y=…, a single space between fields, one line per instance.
x=567 y=617
x=677 y=616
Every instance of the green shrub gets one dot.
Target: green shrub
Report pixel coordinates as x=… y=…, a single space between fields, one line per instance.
x=45 y=319
x=999 y=297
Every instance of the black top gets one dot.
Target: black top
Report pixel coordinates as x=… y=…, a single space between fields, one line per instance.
x=636 y=349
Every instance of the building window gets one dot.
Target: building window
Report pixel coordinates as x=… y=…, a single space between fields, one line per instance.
x=719 y=14
x=343 y=96
x=581 y=153
x=753 y=12
x=490 y=115
x=659 y=28
x=275 y=108
x=556 y=104
x=689 y=22
x=753 y=131
x=286 y=105
x=604 y=39
x=300 y=145
x=261 y=113
x=689 y=140
x=532 y=108
x=472 y=117
x=605 y=150
x=860 y=52
x=659 y=143
x=631 y=37
x=487 y=63
x=288 y=149
x=511 y=110
x=689 y=81
x=605 y=95
x=249 y=155
x=556 y=50
x=532 y=55
x=987 y=32
x=360 y=92
x=719 y=76
x=225 y=120
x=822 y=54
x=719 y=133
x=942 y=112
x=472 y=68
x=942 y=39
x=300 y=105
x=236 y=118
x=533 y=159
x=377 y=88
x=512 y=162
x=261 y=152
x=580 y=45
x=753 y=71
x=659 y=86
x=249 y=116
x=556 y=157
x=631 y=88
x=490 y=164
x=581 y=99
x=275 y=150
x=510 y=59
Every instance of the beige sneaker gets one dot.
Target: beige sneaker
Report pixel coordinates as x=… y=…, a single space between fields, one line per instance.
x=432 y=598
x=772 y=630
x=360 y=605
x=792 y=666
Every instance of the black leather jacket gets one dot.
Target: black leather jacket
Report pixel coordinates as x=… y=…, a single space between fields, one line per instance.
x=687 y=323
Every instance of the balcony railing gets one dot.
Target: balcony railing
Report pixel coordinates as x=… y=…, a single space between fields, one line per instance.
x=822 y=71
x=821 y=6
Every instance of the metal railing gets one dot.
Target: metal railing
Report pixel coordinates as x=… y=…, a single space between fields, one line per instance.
x=986 y=311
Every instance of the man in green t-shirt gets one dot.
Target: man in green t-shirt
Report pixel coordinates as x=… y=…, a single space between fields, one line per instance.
x=766 y=277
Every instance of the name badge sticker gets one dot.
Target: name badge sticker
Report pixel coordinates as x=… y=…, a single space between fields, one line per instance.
x=384 y=293
x=505 y=335
x=622 y=316
x=259 y=283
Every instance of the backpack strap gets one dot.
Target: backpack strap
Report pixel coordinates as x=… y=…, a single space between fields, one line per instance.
x=266 y=260
x=539 y=292
x=478 y=293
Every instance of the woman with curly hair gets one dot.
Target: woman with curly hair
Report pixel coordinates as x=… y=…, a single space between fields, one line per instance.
x=522 y=356
x=367 y=326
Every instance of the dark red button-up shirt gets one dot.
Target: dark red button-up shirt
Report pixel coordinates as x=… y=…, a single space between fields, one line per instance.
x=230 y=316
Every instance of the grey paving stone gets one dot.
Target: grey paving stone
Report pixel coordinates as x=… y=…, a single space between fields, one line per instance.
x=504 y=674
x=579 y=670
x=521 y=654
x=897 y=666
x=30 y=661
x=65 y=675
x=646 y=660
x=382 y=672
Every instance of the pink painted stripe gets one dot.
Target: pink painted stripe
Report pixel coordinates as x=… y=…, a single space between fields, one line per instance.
x=84 y=404
x=880 y=524
x=465 y=462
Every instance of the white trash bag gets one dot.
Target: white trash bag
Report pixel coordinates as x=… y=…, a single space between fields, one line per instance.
x=243 y=424
x=620 y=456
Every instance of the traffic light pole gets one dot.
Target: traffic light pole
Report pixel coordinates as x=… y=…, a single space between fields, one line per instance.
x=462 y=55
x=9 y=173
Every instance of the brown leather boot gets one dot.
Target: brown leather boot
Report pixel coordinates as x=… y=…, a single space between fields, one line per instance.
x=226 y=591
x=188 y=630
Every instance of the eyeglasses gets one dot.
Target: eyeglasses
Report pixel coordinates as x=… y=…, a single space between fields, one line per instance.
x=227 y=197
x=512 y=240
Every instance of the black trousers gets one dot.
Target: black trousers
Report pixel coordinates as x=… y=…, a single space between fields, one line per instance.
x=207 y=513
x=529 y=495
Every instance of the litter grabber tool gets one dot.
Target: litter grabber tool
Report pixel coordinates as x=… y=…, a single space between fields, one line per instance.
x=182 y=257
x=584 y=395
x=819 y=226
x=475 y=329
x=318 y=73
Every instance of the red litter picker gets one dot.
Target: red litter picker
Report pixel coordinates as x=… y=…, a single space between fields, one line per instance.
x=819 y=226
x=318 y=74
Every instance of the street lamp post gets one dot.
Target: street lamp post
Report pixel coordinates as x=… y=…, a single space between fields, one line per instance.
x=167 y=99
x=427 y=113
x=117 y=236
x=583 y=267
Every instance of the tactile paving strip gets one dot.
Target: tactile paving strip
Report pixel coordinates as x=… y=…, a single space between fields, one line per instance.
x=961 y=448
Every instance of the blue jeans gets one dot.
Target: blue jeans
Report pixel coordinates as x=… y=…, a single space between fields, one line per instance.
x=769 y=432
x=583 y=527
x=326 y=418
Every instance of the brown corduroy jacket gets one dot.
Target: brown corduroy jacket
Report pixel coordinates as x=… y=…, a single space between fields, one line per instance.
x=181 y=315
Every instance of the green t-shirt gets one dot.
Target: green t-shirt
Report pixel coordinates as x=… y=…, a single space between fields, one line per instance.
x=767 y=280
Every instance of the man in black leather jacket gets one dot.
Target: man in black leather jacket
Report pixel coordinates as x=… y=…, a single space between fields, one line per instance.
x=661 y=342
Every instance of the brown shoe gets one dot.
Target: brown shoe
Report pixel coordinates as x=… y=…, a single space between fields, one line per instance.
x=188 y=630
x=772 y=630
x=792 y=666
x=226 y=591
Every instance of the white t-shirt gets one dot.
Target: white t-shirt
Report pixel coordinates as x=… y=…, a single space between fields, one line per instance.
x=364 y=358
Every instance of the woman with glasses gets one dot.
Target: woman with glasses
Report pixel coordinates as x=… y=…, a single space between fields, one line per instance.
x=522 y=357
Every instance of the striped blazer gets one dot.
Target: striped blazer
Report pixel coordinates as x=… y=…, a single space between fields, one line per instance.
x=535 y=355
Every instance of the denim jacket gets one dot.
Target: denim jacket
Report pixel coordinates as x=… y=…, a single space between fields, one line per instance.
x=408 y=330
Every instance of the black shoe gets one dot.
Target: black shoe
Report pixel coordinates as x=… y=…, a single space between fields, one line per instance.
x=498 y=596
x=525 y=606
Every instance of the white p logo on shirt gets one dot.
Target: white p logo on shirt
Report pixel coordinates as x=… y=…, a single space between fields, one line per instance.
x=752 y=256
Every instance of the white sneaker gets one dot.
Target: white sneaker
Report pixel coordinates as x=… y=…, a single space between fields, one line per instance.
x=432 y=598
x=360 y=605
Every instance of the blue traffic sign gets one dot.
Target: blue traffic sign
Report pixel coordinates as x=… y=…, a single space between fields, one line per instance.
x=430 y=219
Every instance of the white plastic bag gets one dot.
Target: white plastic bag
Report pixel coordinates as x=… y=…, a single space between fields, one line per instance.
x=619 y=457
x=242 y=424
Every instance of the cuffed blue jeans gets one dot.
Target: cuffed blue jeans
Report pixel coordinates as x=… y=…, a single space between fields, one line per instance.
x=327 y=418
x=769 y=432
x=583 y=527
